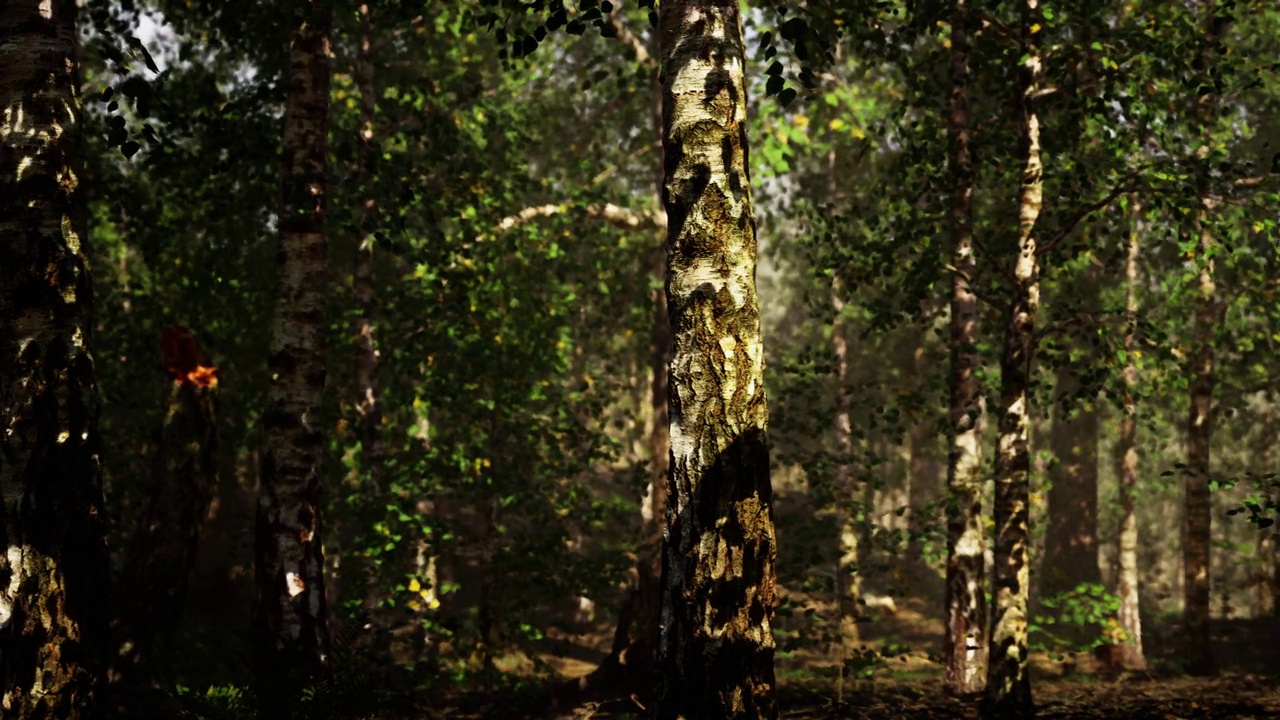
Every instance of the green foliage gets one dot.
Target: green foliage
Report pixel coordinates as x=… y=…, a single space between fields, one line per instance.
x=1077 y=620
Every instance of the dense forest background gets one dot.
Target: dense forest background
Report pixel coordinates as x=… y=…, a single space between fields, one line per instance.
x=493 y=429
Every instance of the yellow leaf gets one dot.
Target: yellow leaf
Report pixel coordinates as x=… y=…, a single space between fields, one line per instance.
x=415 y=586
x=1035 y=28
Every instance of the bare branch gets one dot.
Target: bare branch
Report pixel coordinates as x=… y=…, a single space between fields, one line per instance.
x=639 y=52
x=973 y=288
x=610 y=213
x=1085 y=210
x=991 y=261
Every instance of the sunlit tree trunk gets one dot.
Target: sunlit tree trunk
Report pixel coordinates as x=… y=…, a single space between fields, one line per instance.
x=1008 y=684
x=965 y=640
x=53 y=598
x=716 y=647
x=848 y=576
x=290 y=631
x=1128 y=653
x=1196 y=547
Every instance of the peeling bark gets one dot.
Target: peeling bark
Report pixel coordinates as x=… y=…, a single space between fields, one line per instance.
x=1008 y=684
x=1128 y=652
x=965 y=639
x=53 y=570
x=716 y=646
x=290 y=632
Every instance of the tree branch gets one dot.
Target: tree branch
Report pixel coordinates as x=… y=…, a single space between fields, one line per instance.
x=973 y=288
x=608 y=212
x=1085 y=210
x=639 y=52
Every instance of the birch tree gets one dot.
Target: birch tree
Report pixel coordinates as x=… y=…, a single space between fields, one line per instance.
x=1008 y=685
x=716 y=646
x=965 y=640
x=290 y=632
x=1128 y=653
x=54 y=565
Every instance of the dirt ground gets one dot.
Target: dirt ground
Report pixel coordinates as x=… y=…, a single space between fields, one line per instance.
x=904 y=682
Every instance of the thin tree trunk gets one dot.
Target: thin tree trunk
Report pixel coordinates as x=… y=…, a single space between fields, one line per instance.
x=53 y=599
x=633 y=655
x=1128 y=653
x=1008 y=684
x=640 y=656
x=1196 y=548
x=642 y=650
x=290 y=630
x=161 y=554
x=716 y=648
x=363 y=327
x=848 y=575
x=965 y=640
x=1198 y=514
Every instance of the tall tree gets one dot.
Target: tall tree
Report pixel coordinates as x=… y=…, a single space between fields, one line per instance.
x=52 y=603
x=716 y=648
x=635 y=646
x=848 y=578
x=1128 y=652
x=364 y=327
x=965 y=639
x=1200 y=368
x=290 y=631
x=1008 y=684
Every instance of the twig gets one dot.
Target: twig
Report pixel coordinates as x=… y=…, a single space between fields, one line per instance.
x=1086 y=210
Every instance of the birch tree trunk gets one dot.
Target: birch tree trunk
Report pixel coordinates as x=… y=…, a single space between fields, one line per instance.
x=965 y=640
x=1128 y=653
x=848 y=576
x=290 y=631
x=1008 y=684
x=53 y=599
x=716 y=647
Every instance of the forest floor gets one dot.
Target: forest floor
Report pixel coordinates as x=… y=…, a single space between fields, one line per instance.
x=1227 y=697
x=902 y=680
